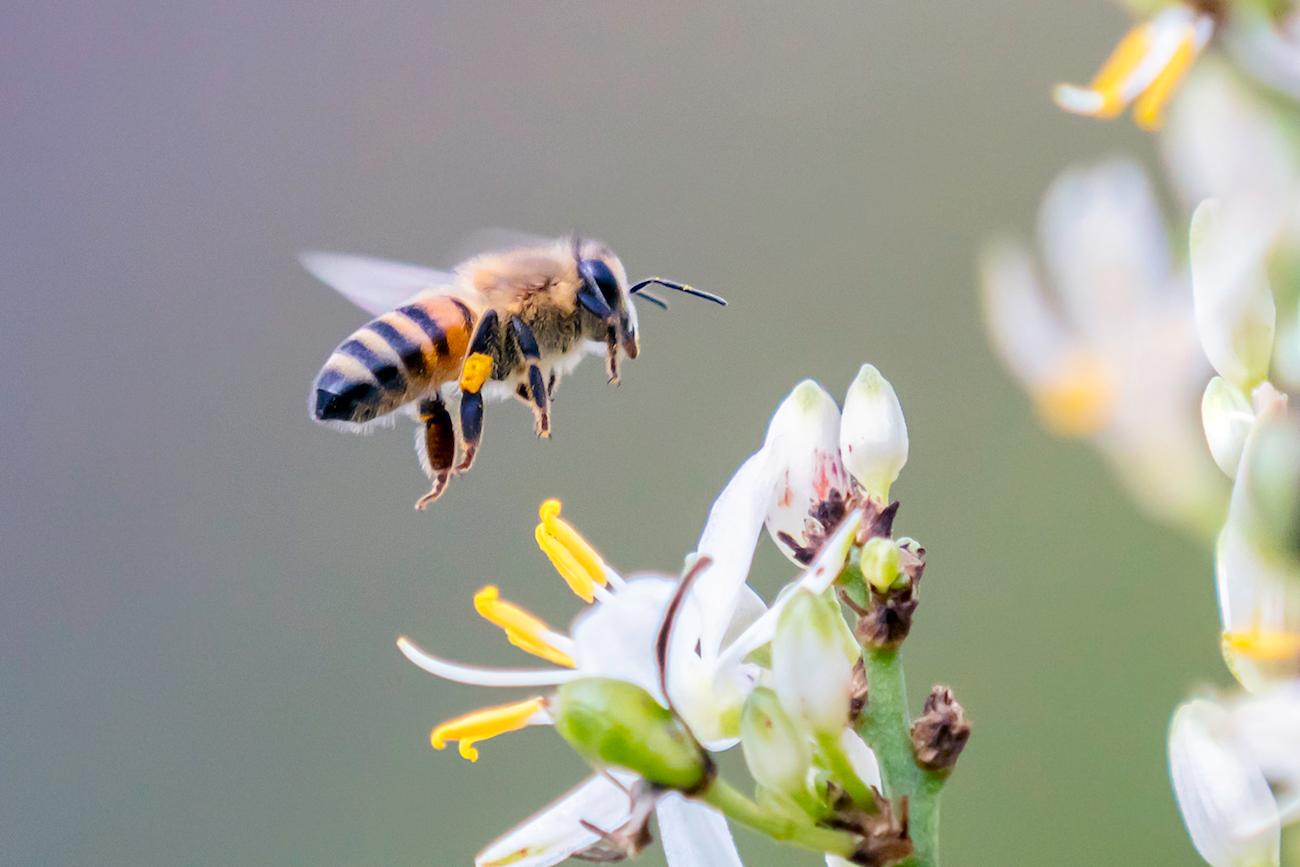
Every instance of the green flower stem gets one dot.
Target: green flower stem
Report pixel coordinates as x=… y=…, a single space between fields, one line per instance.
x=843 y=773
x=887 y=728
x=725 y=798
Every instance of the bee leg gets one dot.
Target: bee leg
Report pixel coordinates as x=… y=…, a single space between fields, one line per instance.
x=436 y=445
x=541 y=398
x=476 y=370
x=611 y=357
x=551 y=385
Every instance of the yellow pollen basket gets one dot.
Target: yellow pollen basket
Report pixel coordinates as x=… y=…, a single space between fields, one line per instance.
x=475 y=372
x=1078 y=400
x=522 y=629
x=1264 y=645
x=571 y=555
x=481 y=725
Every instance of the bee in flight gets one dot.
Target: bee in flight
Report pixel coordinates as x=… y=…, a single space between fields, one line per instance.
x=502 y=324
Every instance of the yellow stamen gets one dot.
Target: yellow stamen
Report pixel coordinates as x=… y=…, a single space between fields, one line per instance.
x=1148 y=111
x=1264 y=645
x=522 y=629
x=477 y=368
x=1078 y=400
x=1110 y=79
x=571 y=555
x=481 y=725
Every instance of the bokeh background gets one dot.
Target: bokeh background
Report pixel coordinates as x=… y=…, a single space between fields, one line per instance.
x=201 y=588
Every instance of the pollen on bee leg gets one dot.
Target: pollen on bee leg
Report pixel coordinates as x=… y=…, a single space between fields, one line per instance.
x=522 y=629
x=571 y=555
x=480 y=725
x=475 y=372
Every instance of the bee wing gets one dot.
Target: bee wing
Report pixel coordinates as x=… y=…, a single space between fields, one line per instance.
x=375 y=285
x=494 y=240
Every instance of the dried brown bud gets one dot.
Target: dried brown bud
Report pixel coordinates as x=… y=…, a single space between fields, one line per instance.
x=884 y=835
x=877 y=521
x=941 y=731
x=889 y=619
x=629 y=839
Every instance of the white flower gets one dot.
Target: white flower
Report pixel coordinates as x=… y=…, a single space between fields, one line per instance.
x=1268 y=49
x=812 y=663
x=1227 y=805
x=1228 y=418
x=1235 y=314
x=824 y=463
x=1110 y=353
x=1145 y=69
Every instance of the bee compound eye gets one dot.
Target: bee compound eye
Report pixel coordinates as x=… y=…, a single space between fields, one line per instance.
x=599 y=273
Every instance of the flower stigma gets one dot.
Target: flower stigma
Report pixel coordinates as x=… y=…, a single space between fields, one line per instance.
x=480 y=725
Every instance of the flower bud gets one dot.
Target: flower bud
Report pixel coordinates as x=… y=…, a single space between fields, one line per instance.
x=613 y=722
x=812 y=662
x=776 y=750
x=1235 y=313
x=873 y=433
x=1227 y=418
x=812 y=485
x=1268 y=502
x=880 y=564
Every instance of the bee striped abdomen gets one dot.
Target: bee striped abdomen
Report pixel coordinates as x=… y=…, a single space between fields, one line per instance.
x=402 y=355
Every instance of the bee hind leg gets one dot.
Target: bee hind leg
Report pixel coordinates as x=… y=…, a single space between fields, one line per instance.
x=476 y=371
x=436 y=445
x=535 y=389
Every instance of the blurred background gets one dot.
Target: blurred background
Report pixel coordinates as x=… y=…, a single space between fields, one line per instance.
x=201 y=588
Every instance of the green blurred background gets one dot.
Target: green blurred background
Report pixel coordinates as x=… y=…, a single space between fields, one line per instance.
x=201 y=588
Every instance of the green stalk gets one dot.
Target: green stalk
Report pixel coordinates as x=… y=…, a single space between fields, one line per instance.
x=725 y=798
x=886 y=726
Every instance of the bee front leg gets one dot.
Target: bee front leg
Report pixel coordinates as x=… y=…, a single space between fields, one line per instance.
x=611 y=357
x=536 y=386
x=476 y=371
x=436 y=445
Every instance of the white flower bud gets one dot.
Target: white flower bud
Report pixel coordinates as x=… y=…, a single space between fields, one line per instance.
x=1227 y=417
x=873 y=433
x=1227 y=806
x=776 y=750
x=803 y=441
x=1235 y=313
x=812 y=665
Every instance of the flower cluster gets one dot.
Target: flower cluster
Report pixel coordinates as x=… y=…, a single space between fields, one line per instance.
x=660 y=673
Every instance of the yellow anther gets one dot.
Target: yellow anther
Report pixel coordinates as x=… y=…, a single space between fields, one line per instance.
x=475 y=372
x=571 y=555
x=1118 y=67
x=1078 y=400
x=522 y=629
x=1264 y=645
x=480 y=725
x=1148 y=111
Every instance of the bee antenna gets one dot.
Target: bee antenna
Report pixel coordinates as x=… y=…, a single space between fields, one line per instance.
x=654 y=299
x=679 y=287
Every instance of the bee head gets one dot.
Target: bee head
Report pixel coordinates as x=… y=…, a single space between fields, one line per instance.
x=603 y=278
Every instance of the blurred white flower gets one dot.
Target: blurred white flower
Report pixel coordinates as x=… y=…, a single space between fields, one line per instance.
x=1227 y=416
x=1229 y=810
x=1266 y=47
x=1235 y=315
x=1109 y=352
x=825 y=463
x=1145 y=68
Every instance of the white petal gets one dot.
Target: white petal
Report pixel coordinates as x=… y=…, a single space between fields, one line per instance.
x=1228 y=418
x=861 y=757
x=812 y=674
x=729 y=538
x=1255 y=593
x=695 y=834
x=820 y=575
x=1235 y=313
x=1268 y=727
x=1226 y=803
x=873 y=432
x=553 y=834
x=804 y=440
x=616 y=638
x=1026 y=332
x=837 y=861
x=479 y=676
x=1104 y=246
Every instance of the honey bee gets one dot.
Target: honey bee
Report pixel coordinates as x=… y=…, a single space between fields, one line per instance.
x=505 y=324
